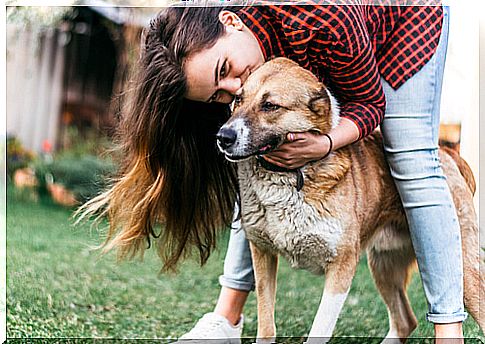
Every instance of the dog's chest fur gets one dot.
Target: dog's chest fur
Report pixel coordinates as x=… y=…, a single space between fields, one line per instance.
x=276 y=217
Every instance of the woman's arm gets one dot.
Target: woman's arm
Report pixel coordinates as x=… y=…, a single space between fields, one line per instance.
x=352 y=75
x=305 y=147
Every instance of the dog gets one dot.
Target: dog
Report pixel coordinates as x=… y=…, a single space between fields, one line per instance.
x=322 y=216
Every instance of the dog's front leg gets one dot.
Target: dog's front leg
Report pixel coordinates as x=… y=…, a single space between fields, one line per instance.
x=265 y=268
x=338 y=279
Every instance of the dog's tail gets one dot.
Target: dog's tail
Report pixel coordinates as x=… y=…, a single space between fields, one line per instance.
x=464 y=168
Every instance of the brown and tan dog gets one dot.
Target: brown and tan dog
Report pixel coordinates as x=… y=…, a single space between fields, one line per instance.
x=347 y=203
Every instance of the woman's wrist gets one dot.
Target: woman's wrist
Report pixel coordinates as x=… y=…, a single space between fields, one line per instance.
x=329 y=145
x=322 y=147
x=346 y=132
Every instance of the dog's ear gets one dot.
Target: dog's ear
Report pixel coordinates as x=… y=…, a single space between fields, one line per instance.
x=319 y=101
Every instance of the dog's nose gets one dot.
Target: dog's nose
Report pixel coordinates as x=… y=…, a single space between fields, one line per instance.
x=226 y=137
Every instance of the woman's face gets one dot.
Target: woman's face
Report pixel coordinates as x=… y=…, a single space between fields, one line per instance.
x=217 y=73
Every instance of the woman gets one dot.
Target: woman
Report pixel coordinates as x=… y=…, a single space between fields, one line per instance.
x=195 y=59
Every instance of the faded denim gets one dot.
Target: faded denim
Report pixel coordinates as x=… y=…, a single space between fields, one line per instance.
x=410 y=130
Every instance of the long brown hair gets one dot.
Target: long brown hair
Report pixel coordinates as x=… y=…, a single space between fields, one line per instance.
x=171 y=173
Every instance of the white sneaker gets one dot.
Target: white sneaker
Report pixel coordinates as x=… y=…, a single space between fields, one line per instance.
x=214 y=328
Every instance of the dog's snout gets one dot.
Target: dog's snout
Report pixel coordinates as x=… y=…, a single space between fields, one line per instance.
x=226 y=137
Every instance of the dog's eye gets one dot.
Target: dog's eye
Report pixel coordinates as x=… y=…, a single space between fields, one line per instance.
x=268 y=106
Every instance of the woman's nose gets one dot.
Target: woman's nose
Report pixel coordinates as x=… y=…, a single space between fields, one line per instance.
x=230 y=85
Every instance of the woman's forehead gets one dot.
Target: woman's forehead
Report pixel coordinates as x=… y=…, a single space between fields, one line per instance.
x=199 y=70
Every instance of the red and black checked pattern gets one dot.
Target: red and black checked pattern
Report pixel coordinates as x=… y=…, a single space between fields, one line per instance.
x=350 y=47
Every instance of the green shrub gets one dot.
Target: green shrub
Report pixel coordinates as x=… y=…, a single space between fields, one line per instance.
x=76 y=142
x=85 y=176
x=17 y=156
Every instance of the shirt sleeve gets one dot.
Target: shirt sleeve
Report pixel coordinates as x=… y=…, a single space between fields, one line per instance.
x=348 y=60
x=341 y=51
x=333 y=42
x=354 y=79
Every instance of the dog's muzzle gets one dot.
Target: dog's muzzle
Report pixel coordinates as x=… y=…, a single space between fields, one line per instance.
x=236 y=142
x=226 y=137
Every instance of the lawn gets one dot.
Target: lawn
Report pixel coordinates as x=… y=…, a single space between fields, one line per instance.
x=57 y=286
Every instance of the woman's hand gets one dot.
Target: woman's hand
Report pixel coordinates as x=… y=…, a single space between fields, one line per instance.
x=302 y=148
x=299 y=149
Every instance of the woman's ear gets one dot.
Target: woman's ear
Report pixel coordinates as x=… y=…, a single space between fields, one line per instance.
x=230 y=19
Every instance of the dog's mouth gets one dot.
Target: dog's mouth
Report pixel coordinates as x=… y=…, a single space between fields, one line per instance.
x=236 y=158
x=268 y=146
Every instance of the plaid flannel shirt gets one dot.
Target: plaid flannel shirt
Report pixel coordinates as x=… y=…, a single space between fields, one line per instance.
x=349 y=48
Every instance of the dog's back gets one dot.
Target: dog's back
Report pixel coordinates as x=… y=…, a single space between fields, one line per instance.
x=348 y=201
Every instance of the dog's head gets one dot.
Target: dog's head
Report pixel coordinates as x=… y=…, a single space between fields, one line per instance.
x=278 y=98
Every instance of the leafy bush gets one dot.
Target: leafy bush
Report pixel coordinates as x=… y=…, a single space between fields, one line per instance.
x=85 y=176
x=77 y=142
x=17 y=155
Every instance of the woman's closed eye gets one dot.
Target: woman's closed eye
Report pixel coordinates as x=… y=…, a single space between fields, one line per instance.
x=222 y=74
x=223 y=71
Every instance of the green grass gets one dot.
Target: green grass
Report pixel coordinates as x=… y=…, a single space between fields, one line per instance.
x=57 y=286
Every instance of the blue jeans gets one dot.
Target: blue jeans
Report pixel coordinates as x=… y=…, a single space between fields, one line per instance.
x=410 y=131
